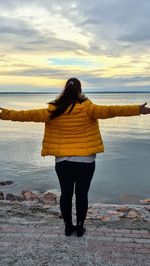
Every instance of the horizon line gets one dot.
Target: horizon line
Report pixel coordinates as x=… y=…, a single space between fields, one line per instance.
x=34 y=92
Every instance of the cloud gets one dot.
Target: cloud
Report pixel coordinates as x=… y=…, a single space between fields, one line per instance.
x=24 y=37
x=16 y=27
x=91 y=77
x=37 y=72
x=111 y=82
x=75 y=33
x=139 y=35
x=99 y=26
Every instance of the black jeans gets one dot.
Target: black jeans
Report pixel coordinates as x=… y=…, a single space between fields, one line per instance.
x=78 y=174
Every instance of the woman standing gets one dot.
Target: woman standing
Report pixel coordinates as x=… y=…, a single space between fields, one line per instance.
x=73 y=136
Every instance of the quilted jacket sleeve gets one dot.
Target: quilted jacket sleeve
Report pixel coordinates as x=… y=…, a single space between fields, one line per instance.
x=108 y=111
x=37 y=115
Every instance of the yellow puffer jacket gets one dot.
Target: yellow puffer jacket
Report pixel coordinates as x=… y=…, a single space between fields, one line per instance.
x=76 y=133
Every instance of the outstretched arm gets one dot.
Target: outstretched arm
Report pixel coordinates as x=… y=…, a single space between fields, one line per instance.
x=37 y=115
x=109 y=111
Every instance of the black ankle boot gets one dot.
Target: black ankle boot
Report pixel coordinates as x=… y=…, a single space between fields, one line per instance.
x=69 y=229
x=80 y=229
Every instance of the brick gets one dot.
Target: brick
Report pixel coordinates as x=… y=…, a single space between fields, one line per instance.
x=124 y=239
x=113 y=234
x=119 y=234
x=105 y=229
x=142 y=240
x=94 y=247
x=134 y=235
x=145 y=235
x=123 y=249
x=117 y=254
x=142 y=250
x=106 y=238
x=139 y=257
x=122 y=230
x=132 y=244
x=100 y=233
x=145 y=245
x=139 y=231
x=109 y=243
x=122 y=262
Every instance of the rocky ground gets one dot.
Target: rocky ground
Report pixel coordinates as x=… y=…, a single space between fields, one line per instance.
x=32 y=233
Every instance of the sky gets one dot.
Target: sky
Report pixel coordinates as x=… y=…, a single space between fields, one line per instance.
x=104 y=43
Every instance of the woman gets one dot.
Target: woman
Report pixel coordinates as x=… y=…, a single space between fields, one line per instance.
x=72 y=135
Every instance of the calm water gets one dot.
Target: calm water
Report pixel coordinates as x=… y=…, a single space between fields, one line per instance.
x=122 y=173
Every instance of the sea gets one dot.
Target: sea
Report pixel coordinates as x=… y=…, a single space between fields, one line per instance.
x=122 y=174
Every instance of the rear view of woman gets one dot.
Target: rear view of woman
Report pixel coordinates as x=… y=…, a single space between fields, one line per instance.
x=73 y=136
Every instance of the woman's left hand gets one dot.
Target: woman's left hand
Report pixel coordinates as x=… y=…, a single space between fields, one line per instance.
x=144 y=110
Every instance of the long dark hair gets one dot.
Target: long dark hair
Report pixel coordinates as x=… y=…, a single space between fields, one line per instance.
x=71 y=94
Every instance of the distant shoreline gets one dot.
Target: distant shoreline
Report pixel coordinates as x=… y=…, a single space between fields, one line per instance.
x=90 y=92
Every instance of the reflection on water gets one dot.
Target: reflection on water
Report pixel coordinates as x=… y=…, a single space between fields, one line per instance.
x=122 y=171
